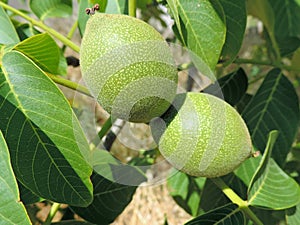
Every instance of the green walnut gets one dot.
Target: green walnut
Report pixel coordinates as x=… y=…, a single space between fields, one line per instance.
x=128 y=67
x=202 y=135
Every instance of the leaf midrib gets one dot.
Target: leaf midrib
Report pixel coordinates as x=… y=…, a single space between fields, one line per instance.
x=23 y=110
x=268 y=101
x=193 y=32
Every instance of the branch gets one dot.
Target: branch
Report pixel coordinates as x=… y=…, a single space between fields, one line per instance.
x=265 y=63
x=44 y=27
x=243 y=205
x=69 y=84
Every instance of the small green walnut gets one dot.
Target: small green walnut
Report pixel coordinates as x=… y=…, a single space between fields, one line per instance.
x=128 y=67
x=202 y=135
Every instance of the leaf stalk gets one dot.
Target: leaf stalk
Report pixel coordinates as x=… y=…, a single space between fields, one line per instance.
x=132 y=8
x=243 y=205
x=105 y=128
x=54 y=208
x=69 y=84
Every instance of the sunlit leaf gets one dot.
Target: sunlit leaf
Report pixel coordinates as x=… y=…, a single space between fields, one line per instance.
x=186 y=191
x=204 y=22
x=246 y=171
x=43 y=50
x=173 y=5
x=44 y=9
x=12 y=211
x=83 y=17
x=266 y=189
x=116 y=7
x=48 y=149
x=8 y=34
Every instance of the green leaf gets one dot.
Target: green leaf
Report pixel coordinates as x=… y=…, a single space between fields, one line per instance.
x=288 y=45
x=225 y=215
x=110 y=199
x=83 y=17
x=212 y=197
x=142 y=4
x=173 y=5
x=243 y=102
x=116 y=7
x=8 y=34
x=49 y=151
x=12 y=210
x=27 y=196
x=292 y=165
x=26 y=30
x=287 y=18
x=236 y=19
x=267 y=216
x=41 y=49
x=44 y=9
x=273 y=135
x=293 y=215
x=62 y=65
x=265 y=189
x=186 y=191
x=231 y=87
x=246 y=171
x=72 y=222
x=204 y=22
x=114 y=185
x=275 y=106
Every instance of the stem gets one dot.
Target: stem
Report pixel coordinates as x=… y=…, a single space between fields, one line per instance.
x=53 y=211
x=44 y=27
x=71 y=33
x=265 y=63
x=132 y=8
x=105 y=128
x=243 y=205
x=252 y=61
x=69 y=84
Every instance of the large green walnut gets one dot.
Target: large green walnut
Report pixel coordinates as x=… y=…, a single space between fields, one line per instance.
x=202 y=135
x=128 y=67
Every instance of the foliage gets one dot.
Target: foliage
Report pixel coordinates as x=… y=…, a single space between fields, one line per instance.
x=45 y=154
